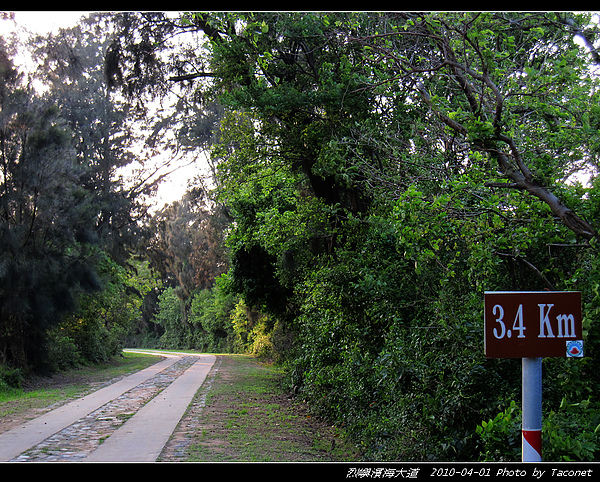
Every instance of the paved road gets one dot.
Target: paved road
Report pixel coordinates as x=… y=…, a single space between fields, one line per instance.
x=127 y=421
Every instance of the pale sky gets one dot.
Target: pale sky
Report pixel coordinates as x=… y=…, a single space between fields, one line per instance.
x=43 y=22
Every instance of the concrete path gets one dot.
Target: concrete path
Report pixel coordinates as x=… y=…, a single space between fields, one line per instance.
x=139 y=439
x=143 y=437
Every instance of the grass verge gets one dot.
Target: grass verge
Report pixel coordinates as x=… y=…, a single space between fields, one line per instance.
x=247 y=418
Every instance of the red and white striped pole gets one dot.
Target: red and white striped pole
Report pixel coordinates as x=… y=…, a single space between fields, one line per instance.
x=532 y=410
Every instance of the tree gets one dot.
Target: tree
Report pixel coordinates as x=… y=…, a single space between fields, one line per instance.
x=108 y=131
x=438 y=146
x=43 y=211
x=188 y=253
x=496 y=83
x=382 y=172
x=187 y=246
x=65 y=197
x=443 y=70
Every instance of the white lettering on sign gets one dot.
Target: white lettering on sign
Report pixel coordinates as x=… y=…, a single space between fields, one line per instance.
x=520 y=327
x=517 y=325
x=566 y=323
x=499 y=310
x=545 y=322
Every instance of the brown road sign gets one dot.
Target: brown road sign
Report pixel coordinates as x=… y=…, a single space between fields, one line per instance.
x=523 y=324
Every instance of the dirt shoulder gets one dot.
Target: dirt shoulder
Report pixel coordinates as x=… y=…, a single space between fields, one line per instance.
x=241 y=415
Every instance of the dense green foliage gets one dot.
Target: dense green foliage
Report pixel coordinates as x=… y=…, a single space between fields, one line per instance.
x=383 y=171
x=68 y=220
x=44 y=216
x=94 y=332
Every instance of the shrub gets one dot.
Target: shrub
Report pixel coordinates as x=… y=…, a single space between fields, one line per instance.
x=96 y=329
x=10 y=378
x=501 y=436
x=261 y=344
x=572 y=433
x=63 y=352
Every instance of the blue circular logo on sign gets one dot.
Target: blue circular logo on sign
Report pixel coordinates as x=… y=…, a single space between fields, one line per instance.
x=574 y=348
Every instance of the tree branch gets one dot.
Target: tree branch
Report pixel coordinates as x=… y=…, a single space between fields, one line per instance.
x=567 y=216
x=444 y=118
x=181 y=78
x=579 y=32
x=536 y=271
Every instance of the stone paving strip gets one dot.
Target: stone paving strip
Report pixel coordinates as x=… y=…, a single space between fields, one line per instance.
x=142 y=438
x=85 y=431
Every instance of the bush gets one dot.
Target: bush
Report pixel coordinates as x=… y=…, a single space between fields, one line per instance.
x=570 y=434
x=256 y=333
x=260 y=341
x=501 y=436
x=96 y=329
x=211 y=311
x=63 y=352
x=170 y=317
x=203 y=322
x=10 y=378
